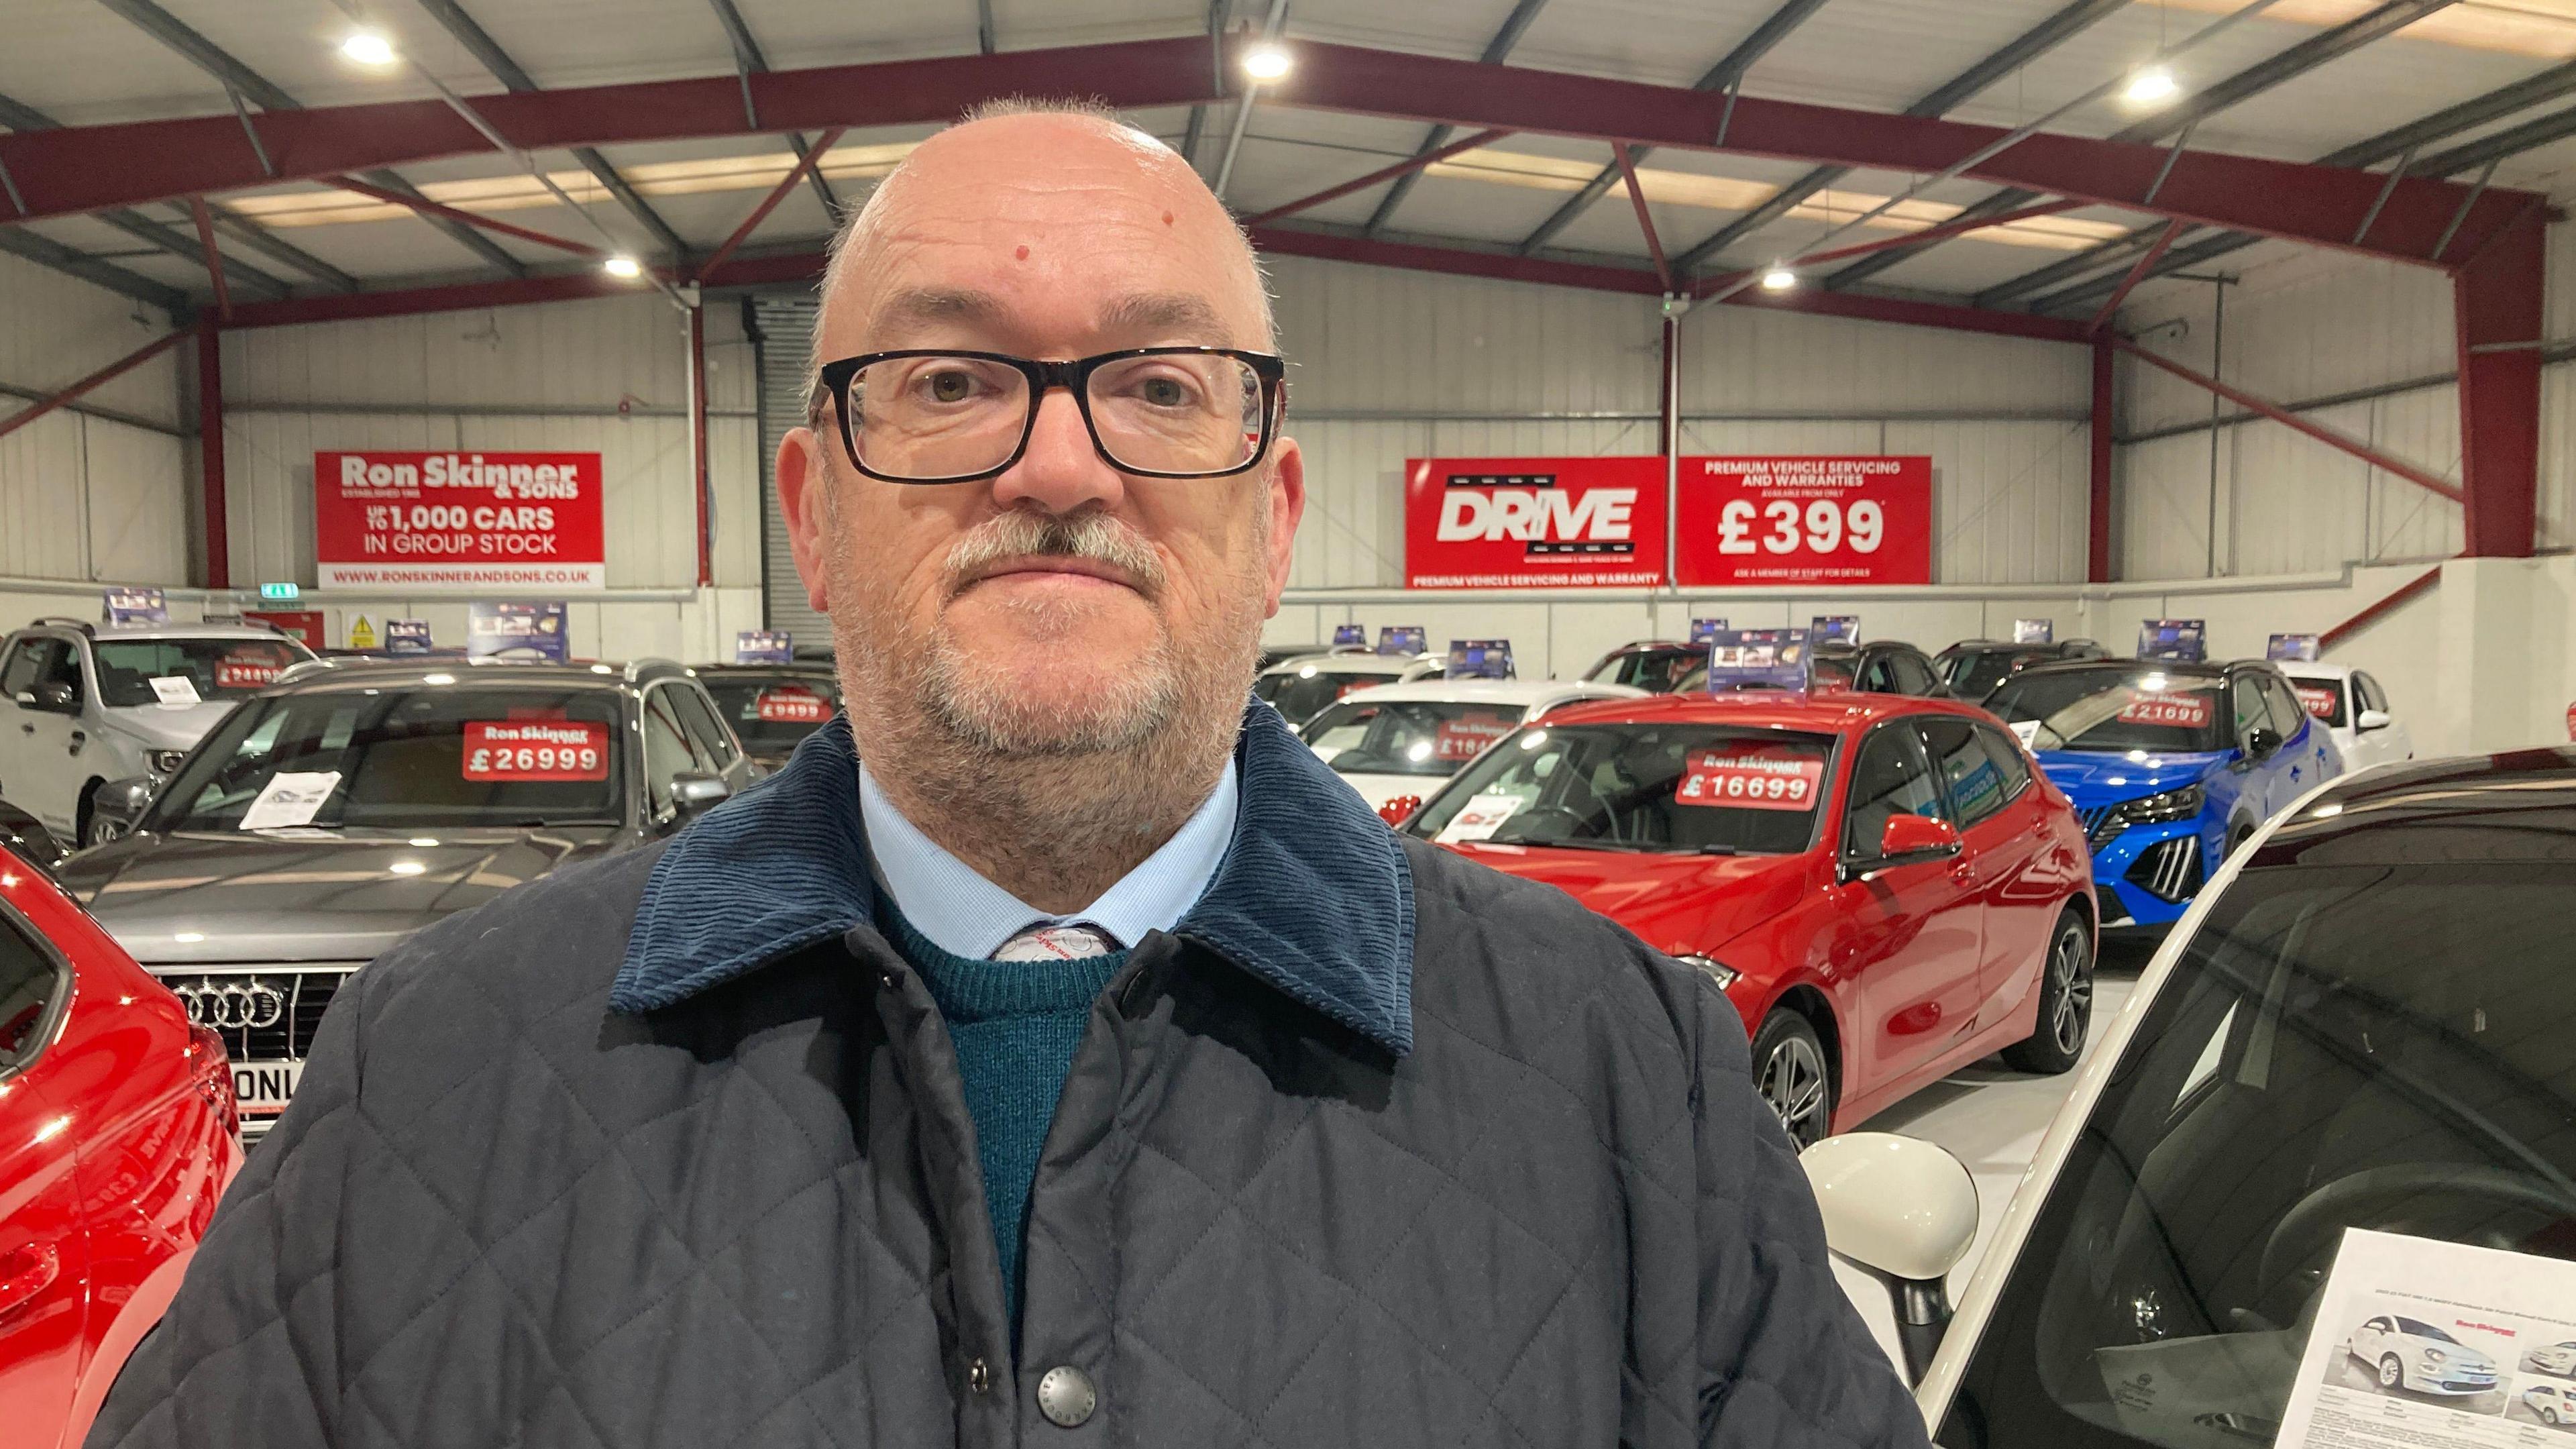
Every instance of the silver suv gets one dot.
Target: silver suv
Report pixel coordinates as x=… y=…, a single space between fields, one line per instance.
x=81 y=705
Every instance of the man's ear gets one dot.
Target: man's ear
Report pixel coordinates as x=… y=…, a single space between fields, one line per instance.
x=803 y=477
x=1287 y=504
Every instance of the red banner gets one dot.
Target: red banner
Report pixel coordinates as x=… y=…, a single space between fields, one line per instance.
x=533 y=750
x=1844 y=521
x=463 y=521
x=1477 y=523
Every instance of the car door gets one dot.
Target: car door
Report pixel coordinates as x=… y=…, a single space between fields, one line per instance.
x=2379 y=746
x=1914 y=674
x=1906 y=935
x=2003 y=823
x=38 y=777
x=669 y=752
x=2308 y=755
x=2252 y=772
x=44 y=1249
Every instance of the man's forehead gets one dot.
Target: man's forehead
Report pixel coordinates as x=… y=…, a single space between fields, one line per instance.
x=1180 y=315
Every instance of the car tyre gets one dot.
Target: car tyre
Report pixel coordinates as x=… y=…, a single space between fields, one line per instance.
x=2065 y=1002
x=2549 y=1417
x=96 y=829
x=2392 y=1374
x=1790 y=1071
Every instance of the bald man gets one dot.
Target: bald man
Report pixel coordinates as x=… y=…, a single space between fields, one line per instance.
x=1054 y=1052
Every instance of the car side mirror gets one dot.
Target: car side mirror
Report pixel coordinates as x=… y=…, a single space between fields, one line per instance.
x=55 y=697
x=1904 y=1212
x=2373 y=719
x=2262 y=742
x=118 y=805
x=1400 y=809
x=692 y=793
x=1910 y=838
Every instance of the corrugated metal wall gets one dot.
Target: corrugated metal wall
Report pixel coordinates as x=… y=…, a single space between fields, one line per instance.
x=82 y=495
x=783 y=327
x=1387 y=365
x=534 y=378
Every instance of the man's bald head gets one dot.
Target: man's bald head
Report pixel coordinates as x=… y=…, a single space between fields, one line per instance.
x=1020 y=169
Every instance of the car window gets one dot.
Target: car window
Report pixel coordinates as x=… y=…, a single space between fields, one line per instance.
x=1891 y=778
x=25 y=664
x=2322 y=698
x=772 y=711
x=1975 y=784
x=2113 y=708
x=2371 y=695
x=29 y=982
x=1913 y=674
x=2245 y=696
x=2010 y=763
x=699 y=719
x=214 y=668
x=668 y=750
x=1677 y=788
x=1302 y=693
x=2288 y=715
x=60 y=664
x=1877 y=676
x=1430 y=738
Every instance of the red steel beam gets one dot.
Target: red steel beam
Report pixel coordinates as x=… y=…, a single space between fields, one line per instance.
x=1645 y=222
x=214 y=255
x=2496 y=302
x=2396 y=599
x=2097 y=547
x=427 y=207
x=210 y=456
x=812 y=158
x=516 y=292
x=2137 y=274
x=1382 y=174
x=1714 y=285
x=2279 y=414
x=77 y=169
x=104 y=375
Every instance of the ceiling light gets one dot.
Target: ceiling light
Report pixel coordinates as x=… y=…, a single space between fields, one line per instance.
x=407 y=867
x=2151 y=86
x=1779 y=278
x=622 y=266
x=367 y=47
x=1267 y=61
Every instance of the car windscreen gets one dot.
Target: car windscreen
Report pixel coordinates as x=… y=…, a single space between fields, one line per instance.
x=1407 y=736
x=1301 y=694
x=208 y=668
x=1656 y=671
x=2339 y=1046
x=1971 y=673
x=2125 y=707
x=2321 y=698
x=398 y=758
x=771 y=712
x=1641 y=787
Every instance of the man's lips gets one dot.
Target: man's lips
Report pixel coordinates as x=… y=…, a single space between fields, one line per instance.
x=1058 y=565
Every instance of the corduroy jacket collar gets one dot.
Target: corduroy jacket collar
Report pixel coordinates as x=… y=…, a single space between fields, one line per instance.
x=1314 y=897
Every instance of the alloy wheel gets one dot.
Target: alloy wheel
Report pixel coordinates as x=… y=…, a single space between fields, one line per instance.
x=2072 y=990
x=1793 y=1083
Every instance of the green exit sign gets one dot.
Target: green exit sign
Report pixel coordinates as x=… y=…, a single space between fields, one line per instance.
x=279 y=591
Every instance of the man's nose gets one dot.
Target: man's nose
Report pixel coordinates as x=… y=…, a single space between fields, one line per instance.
x=1060 y=470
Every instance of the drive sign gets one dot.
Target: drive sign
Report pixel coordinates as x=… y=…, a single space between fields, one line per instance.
x=458 y=521
x=1473 y=523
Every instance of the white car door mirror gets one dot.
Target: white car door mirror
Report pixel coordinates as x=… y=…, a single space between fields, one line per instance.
x=1905 y=1212
x=2373 y=719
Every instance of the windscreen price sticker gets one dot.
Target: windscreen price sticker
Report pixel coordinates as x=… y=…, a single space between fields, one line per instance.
x=1465 y=737
x=2175 y=711
x=791 y=704
x=1751 y=777
x=560 y=750
x=246 y=671
x=2320 y=702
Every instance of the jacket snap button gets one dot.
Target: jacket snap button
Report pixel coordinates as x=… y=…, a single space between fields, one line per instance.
x=979 y=1377
x=1066 y=1397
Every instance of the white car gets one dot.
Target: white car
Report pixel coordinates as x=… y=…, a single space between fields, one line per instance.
x=1300 y=688
x=2327 y=1040
x=1408 y=739
x=2554 y=1403
x=2354 y=709
x=2408 y=1353
x=2553 y=1358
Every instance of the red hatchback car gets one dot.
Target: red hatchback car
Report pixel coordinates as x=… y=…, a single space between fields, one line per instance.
x=1886 y=886
x=117 y=1136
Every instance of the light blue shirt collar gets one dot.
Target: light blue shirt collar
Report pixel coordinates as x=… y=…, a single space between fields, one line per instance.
x=962 y=913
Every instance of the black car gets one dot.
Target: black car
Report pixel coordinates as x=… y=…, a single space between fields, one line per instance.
x=26 y=837
x=1656 y=666
x=1973 y=667
x=772 y=707
x=1882 y=666
x=352 y=803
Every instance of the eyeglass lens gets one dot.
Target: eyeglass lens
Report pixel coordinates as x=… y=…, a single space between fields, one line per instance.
x=948 y=417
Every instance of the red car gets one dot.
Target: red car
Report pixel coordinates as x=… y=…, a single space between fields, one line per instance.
x=1886 y=886
x=117 y=1136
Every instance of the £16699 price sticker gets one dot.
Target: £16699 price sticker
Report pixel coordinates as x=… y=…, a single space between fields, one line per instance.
x=536 y=750
x=1751 y=777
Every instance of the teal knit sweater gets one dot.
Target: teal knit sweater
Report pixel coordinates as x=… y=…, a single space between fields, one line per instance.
x=1016 y=1025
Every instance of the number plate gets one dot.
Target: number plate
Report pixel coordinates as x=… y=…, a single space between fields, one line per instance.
x=264 y=1088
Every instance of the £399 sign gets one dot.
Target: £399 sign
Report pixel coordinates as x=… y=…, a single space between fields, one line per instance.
x=1805 y=521
x=463 y=521
x=1474 y=523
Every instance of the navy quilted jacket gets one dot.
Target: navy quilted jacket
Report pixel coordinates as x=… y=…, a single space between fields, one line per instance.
x=1378 y=1148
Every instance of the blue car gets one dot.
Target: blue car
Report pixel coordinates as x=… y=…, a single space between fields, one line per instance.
x=2170 y=766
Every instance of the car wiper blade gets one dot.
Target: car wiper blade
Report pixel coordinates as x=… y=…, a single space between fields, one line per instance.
x=1621 y=846
x=1717 y=850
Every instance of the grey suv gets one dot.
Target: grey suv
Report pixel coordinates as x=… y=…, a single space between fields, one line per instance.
x=81 y=705
x=356 y=801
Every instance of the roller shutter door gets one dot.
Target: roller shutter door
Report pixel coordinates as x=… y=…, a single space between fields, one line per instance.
x=784 y=327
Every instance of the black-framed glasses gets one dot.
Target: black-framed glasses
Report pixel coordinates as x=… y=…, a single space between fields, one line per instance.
x=924 y=415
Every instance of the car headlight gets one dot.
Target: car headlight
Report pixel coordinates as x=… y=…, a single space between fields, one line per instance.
x=2179 y=804
x=166 y=762
x=1718 y=971
x=2435 y=1355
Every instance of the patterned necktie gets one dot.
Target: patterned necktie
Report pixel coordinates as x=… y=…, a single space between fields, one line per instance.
x=1056 y=943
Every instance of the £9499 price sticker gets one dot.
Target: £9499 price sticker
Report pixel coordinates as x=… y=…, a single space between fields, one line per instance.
x=536 y=750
